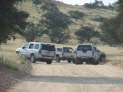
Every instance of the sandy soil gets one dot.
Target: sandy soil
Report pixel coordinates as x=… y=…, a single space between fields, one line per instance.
x=64 y=77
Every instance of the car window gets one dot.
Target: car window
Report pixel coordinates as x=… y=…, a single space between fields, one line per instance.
x=44 y=47
x=37 y=46
x=26 y=45
x=59 y=49
x=31 y=46
x=84 y=47
x=66 y=49
x=51 y=48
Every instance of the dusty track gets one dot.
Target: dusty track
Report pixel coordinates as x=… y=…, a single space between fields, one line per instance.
x=66 y=77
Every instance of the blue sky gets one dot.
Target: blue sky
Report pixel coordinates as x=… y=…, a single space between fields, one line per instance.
x=81 y=2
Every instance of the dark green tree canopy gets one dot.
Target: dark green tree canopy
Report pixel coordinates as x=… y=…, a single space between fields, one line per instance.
x=11 y=20
x=32 y=32
x=85 y=34
x=113 y=28
x=76 y=14
x=55 y=21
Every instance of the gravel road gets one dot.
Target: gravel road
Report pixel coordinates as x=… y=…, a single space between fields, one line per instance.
x=64 y=77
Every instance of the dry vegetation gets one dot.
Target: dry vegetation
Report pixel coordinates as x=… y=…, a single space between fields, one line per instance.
x=114 y=55
x=9 y=58
x=7 y=51
x=90 y=14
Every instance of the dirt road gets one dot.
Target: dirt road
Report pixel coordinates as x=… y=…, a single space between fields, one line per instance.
x=64 y=77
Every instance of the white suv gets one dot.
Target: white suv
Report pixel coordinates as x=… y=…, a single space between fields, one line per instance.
x=88 y=53
x=65 y=53
x=38 y=51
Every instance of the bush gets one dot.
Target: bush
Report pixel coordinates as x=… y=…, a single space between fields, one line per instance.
x=76 y=14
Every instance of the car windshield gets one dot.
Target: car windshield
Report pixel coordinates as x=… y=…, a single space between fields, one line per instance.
x=26 y=45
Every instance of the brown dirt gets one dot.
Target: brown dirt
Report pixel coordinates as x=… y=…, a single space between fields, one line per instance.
x=9 y=78
x=66 y=77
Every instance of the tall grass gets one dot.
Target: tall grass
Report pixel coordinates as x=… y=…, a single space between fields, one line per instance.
x=10 y=59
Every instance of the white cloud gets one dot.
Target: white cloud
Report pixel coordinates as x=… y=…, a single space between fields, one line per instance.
x=81 y=2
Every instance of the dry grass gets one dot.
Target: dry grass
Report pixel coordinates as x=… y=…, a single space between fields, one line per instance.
x=36 y=14
x=114 y=54
x=9 y=58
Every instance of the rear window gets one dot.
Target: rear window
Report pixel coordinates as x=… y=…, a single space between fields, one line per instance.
x=59 y=49
x=84 y=47
x=66 y=49
x=44 y=47
x=51 y=48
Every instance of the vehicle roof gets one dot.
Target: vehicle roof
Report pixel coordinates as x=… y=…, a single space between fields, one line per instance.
x=40 y=43
x=67 y=47
x=87 y=44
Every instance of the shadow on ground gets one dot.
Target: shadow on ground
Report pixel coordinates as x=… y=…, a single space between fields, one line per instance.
x=76 y=80
x=9 y=78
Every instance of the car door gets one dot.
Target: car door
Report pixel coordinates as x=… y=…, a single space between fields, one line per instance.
x=51 y=50
x=44 y=49
x=37 y=50
x=25 y=49
x=30 y=50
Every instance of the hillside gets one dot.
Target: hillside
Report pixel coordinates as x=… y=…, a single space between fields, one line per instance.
x=90 y=16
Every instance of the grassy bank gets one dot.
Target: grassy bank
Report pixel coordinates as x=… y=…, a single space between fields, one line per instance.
x=10 y=59
x=114 y=54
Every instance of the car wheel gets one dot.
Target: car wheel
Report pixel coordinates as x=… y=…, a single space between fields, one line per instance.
x=32 y=59
x=78 y=61
x=69 y=61
x=93 y=61
x=102 y=60
x=17 y=52
x=49 y=62
x=57 y=59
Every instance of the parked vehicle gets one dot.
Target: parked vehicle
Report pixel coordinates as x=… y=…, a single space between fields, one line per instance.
x=65 y=53
x=38 y=51
x=89 y=54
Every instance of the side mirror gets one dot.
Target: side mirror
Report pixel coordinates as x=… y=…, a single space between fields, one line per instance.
x=23 y=47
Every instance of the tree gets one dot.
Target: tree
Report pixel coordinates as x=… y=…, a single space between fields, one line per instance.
x=58 y=35
x=55 y=21
x=33 y=31
x=84 y=34
x=11 y=19
x=113 y=28
x=76 y=14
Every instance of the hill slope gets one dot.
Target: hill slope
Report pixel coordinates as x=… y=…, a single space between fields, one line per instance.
x=91 y=17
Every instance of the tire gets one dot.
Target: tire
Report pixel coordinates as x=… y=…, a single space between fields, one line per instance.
x=78 y=61
x=69 y=61
x=32 y=59
x=17 y=52
x=49 y=62
x=93 y=61
x=73 y=61
x=58 y=59
x=102 y=60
